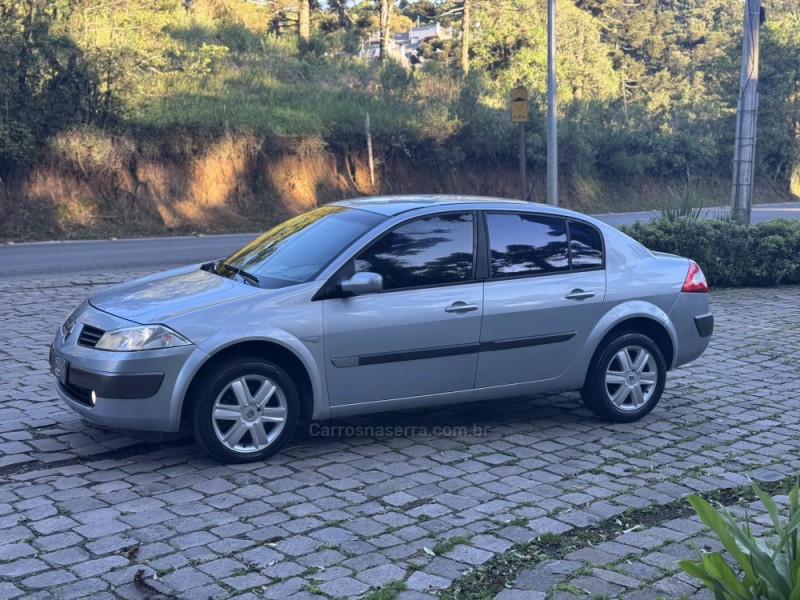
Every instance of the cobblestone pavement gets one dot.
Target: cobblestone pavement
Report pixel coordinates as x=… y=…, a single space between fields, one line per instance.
x=88 y=512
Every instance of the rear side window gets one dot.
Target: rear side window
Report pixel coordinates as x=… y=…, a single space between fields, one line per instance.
x=585 y=246
x=433 y=251
x=525 y=244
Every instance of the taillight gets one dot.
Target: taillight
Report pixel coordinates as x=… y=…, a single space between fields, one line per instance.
x=695 y=280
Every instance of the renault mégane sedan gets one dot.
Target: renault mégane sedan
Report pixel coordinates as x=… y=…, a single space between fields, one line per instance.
x=379 y=304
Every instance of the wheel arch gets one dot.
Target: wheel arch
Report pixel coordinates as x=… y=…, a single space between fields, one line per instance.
x=268 y=350
x=645 y=325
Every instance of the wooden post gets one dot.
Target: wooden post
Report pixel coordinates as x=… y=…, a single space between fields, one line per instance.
x=369 y=152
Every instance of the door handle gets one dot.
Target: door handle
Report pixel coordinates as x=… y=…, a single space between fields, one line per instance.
x=579 y=295
x=460 y=307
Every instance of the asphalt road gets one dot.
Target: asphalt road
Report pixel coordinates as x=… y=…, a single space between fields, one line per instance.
x=111 y=256
x=761 y=213
x=153 y=254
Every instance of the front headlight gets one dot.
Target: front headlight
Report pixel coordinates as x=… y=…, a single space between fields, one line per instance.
x=145 y=337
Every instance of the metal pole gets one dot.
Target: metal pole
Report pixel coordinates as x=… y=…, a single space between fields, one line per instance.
x=744 y=153
x=552 y=132
x=522 y=162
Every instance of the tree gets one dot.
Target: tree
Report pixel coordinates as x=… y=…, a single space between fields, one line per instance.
x=46 y=82
x=512 y=48
x=779 y=98
x=304 y=20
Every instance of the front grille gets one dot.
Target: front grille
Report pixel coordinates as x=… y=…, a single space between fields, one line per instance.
x=90 y=336
x=78 y=393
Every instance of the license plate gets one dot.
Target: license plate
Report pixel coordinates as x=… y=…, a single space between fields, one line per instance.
x=59 y=367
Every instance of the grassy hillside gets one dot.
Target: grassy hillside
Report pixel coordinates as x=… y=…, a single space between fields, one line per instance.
x=106 y=92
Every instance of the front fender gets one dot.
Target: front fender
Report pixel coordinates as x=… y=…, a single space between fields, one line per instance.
x=308 y=352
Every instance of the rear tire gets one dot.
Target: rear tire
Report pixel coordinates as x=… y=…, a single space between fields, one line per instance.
x=625 y=379
x=246 y=411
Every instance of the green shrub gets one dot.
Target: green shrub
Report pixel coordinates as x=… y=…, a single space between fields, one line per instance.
x=766 y=569
x=730 y=254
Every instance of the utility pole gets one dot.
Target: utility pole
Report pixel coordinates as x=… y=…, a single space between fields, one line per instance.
x=465 y=41
x=552 y=132
x=744 y=152
x=384 y=30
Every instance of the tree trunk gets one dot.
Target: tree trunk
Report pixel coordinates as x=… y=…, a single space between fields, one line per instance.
x=384 y=29
x=304 y=20
x=465 y=19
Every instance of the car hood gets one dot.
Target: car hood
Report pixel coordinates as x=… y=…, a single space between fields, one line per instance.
x=156 y=299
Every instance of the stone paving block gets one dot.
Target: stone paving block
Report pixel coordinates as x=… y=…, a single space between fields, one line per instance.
x=674 y=587
x=14 y=551
x=617 y=578
x=91 y=568
x=412 y=595
x=546 y=525
x=537 y=580
x=644 y=594
x=421 y=581
x=592 y=555
x=469 y=554
x=323 y=559
x=65 y=557
x=48 y=580
x=284 y=588
x=596 y=586
x=53 y=525
x=381 y=575
x=344 y=587
x=297 y=545
x=284 y=569
x=520 y=595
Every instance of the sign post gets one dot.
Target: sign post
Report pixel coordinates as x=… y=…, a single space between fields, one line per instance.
x=519 y=114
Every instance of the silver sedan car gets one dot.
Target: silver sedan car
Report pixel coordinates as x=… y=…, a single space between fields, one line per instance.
x=381 y=304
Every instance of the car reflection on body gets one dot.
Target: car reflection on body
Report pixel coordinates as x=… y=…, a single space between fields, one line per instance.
x=382 y=304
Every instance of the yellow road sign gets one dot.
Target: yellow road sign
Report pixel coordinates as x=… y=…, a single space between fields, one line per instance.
x=519 y=105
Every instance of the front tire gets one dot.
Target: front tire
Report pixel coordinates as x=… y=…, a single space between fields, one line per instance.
x=247 y=410
x=625 y=379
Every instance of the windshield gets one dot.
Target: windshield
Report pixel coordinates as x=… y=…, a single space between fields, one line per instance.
x=297 y=250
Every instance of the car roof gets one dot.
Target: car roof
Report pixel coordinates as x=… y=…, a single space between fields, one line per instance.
x=394 y=205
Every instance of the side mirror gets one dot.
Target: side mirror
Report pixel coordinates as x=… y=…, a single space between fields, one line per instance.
x=362 y=283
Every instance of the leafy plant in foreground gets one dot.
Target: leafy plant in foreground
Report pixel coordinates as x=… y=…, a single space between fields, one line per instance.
x=767 y=569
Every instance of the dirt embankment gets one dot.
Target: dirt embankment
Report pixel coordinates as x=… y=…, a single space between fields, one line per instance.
x=91 y=185
x=95 y=187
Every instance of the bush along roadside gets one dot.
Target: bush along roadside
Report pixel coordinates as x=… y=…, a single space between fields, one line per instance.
x=730 y=254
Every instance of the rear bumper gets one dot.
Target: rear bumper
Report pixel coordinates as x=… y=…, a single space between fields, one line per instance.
x=693 y=324
x=704 y=324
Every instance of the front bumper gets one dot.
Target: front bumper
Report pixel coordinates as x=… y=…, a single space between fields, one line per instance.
x=127 y=390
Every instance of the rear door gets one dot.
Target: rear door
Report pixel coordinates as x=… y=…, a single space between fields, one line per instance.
x=546 y=285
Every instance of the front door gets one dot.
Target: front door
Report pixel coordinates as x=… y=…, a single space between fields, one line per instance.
x=419 y=335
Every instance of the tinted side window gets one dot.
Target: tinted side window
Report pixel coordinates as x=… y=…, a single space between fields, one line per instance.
x=585 y=246
x=523 y=244
x=425 y=252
